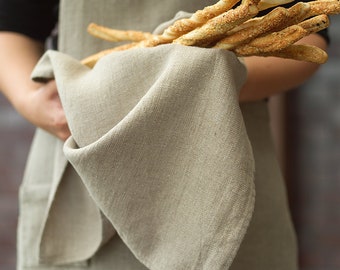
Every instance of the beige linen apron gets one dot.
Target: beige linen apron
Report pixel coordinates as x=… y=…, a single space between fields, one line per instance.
x=269 y=242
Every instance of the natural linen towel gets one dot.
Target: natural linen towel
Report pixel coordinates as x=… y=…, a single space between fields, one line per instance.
x=159 y=142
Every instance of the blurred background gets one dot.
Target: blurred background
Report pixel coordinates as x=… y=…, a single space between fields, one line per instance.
x=312 y=120
x=306 y=127
x=15 y=138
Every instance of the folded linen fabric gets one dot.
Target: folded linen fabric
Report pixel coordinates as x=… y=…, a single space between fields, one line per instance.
x=159 y=142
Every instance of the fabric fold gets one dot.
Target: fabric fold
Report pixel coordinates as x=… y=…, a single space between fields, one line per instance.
x=159 y=142
x=72 y=217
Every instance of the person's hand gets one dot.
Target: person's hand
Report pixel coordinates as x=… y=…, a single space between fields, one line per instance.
x=42 y=107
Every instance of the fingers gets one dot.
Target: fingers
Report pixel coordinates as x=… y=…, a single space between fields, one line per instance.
x=57 y=124
x=43 y=109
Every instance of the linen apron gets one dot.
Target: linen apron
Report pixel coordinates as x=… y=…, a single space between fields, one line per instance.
x=269 y=242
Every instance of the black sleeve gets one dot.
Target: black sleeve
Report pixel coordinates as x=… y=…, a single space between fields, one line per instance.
x=34 y=18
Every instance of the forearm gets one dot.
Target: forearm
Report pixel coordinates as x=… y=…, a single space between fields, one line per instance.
x=18 y=55
x=268 y=76
x=38 y=103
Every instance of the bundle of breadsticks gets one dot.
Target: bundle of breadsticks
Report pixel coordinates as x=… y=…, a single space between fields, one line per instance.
x=238 y=28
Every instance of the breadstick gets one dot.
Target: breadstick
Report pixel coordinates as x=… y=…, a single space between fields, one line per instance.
x=272 y=42
x=199 y=18
x=301 y=52
x=93 y=59
x=328 y=7
x=240 y=31
x=274 y=20
x=265 y=4
x=184 y=26
x=278 y=42
x=315 y=24
x=116 y=35
x=217 y=27
x=295 y=14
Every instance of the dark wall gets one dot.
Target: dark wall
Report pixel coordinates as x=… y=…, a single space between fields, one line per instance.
x=15 y=138
x=313 y=124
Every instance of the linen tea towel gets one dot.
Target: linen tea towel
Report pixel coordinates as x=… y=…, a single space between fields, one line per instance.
x=159 y=142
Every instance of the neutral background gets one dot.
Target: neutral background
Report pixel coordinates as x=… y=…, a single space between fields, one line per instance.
x=310 y=156
x=313 y=161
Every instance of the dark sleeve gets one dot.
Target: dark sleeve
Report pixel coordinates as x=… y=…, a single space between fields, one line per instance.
x=323 y=33
x=34 y=18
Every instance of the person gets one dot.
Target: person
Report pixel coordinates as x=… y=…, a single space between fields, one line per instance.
x=270 y=240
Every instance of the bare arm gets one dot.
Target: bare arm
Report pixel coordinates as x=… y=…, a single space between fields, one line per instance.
x=268 y=76
x=38 y=103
